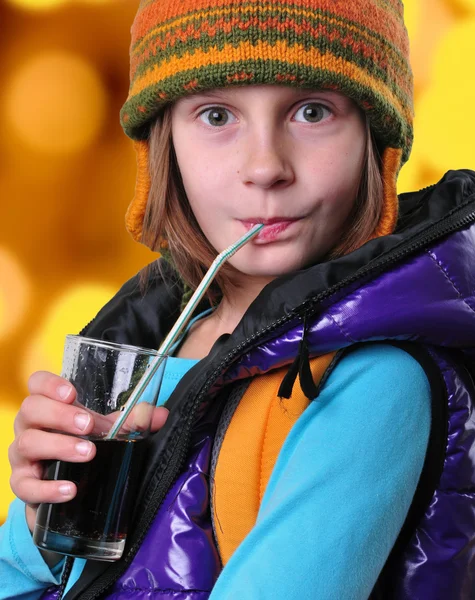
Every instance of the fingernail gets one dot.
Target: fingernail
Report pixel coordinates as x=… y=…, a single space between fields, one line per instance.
x=81 y=420
x=66 y=489
x=84 y=448
x=64 y=391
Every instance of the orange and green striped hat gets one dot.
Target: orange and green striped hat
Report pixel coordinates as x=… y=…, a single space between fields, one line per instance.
x=357 y=47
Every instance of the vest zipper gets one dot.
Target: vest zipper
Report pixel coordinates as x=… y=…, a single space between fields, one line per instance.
x=458 y=218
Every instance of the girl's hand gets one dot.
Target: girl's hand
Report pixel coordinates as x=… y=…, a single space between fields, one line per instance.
x=50 y=407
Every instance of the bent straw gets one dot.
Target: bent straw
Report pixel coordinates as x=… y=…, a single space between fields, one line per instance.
x=179 y=325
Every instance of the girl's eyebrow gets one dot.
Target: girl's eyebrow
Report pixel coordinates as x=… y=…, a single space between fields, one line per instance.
x=223 y=95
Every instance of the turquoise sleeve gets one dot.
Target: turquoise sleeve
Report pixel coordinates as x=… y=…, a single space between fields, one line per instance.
x=341 y=486
x=23 y=572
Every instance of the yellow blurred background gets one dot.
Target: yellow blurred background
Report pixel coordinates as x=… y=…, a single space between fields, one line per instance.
x=67 y=171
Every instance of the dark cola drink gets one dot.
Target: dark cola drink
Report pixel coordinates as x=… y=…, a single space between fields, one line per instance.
x=94 y=524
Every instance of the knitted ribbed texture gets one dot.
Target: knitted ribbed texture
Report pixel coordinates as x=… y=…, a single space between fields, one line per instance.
x=358 y=47
x=136 y=211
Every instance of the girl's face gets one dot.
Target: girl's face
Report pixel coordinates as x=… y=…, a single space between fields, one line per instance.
x=289 y=158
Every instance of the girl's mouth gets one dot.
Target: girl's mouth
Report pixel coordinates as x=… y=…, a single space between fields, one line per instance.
x=272 y=228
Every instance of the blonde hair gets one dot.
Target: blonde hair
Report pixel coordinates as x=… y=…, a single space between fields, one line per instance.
x=170 y=226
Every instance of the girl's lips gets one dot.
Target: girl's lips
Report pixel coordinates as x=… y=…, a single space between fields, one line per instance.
x=271 y=229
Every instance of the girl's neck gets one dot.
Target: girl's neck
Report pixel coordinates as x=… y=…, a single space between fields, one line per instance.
x=224 y=319
x=237 y=300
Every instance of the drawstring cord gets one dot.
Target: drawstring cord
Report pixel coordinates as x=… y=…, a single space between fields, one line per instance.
x=300 y=367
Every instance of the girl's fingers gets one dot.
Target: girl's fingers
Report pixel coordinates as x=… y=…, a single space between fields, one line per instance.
x=35 y=491
x=141 y=417
x=48 y=384
x=40 y=412
x=33 y=445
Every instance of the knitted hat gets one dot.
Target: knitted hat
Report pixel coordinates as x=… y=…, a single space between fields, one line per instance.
x=359 y=48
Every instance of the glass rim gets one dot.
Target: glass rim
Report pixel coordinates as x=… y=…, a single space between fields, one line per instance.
x=114 y=345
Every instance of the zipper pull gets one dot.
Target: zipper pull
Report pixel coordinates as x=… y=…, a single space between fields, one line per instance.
x=300 y=367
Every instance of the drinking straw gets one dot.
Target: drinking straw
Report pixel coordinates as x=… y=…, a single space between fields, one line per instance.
x=179 y=326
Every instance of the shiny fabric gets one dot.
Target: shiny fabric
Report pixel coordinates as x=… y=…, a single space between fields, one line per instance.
x=52 y=593
x=440 y=559
x=405 y=303
x=427 y=298
x=178 y=559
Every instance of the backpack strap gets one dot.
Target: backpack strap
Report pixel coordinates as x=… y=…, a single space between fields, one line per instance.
x=253 y=437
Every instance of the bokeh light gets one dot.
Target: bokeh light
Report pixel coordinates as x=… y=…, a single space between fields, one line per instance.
x=445 y=107
x=38 y=5
x=68 y=315
x=463 y=5
x=45 y=5
x=56 y=102
x=14 y=293
x=96 y=2
x=412 y=13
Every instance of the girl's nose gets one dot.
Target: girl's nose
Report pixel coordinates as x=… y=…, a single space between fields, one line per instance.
x=266 y=163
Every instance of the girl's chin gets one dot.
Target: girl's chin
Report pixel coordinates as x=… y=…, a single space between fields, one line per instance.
x=268 y=271
x=275 y=260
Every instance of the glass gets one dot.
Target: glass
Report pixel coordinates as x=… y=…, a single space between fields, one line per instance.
x=94 y=523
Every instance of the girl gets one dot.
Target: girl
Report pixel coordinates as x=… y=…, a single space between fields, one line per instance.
x=319 y=442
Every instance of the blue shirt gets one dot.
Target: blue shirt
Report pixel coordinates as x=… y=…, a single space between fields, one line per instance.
x=336 y=500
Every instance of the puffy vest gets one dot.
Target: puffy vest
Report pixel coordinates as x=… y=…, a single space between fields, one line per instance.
x=416 y=288
x=433 y=560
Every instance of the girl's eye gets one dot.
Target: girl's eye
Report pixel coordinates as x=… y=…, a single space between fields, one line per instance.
x=311 y=113
x=217 y=116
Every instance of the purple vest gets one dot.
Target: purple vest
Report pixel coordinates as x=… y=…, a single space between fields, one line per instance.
x=178 y=559
x=429 y=300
